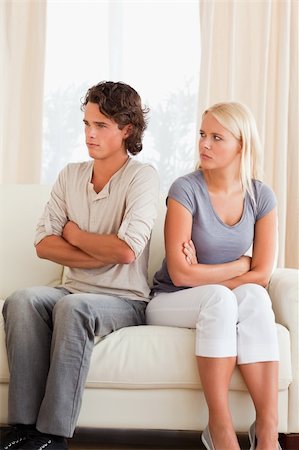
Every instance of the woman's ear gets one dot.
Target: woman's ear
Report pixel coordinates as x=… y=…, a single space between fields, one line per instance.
x=240 y=145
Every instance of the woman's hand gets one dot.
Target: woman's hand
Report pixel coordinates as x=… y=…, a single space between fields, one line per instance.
x=245 y=264
x=190 y=252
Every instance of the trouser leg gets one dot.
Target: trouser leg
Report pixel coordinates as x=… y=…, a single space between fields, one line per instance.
x=28 y=325
x=211 y=309
x=256 y=330
x=77 y=318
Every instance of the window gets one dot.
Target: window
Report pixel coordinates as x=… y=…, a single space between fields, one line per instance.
x=153 y=46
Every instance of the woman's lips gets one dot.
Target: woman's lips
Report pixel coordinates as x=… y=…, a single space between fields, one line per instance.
x=204 y=156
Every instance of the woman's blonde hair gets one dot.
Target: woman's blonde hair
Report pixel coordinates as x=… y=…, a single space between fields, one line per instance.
x=238 y=119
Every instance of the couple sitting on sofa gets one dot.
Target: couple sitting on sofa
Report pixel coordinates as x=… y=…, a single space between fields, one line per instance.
x=98 y=223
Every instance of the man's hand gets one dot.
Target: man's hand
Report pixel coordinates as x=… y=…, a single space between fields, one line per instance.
x=70 y=232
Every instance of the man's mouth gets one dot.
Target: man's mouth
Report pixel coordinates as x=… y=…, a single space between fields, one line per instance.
x=91 y=144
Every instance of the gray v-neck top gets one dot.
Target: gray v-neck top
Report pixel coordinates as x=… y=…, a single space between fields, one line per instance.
x=215 y=241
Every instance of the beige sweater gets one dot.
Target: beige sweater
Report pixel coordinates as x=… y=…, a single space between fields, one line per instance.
x=126 y=206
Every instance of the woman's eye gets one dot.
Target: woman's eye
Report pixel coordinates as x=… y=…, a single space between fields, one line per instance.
x=201 y=133
x=217 y=138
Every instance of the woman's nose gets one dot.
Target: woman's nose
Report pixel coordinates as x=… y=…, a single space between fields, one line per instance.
x=205 y=142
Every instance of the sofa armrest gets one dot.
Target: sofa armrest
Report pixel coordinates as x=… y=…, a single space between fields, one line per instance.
x=284 y=293
x=21 y=206
x=283 y=290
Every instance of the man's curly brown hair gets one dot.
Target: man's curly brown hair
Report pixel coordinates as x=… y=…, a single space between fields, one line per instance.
x=120 y=102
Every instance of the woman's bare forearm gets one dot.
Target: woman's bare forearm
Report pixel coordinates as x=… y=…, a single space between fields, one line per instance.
x=191 y=275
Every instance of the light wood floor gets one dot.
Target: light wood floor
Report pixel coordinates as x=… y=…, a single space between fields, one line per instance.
x=140 y=440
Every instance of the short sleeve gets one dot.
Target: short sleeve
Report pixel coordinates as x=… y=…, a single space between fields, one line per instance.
x=265 y=199
x=182 y=191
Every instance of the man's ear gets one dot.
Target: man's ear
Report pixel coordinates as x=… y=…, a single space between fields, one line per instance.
x=128 y=130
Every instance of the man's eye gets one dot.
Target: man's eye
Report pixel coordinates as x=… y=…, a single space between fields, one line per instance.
x=201 y=133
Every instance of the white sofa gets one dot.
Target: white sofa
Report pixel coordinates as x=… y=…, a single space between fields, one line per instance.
x=143 y=377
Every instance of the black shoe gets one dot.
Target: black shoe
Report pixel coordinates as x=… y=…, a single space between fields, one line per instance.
x=41 y=441
x=13 y=437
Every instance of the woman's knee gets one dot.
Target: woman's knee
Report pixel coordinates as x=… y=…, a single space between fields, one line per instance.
x=254 y=304
x=254 y=295
x=223 y=301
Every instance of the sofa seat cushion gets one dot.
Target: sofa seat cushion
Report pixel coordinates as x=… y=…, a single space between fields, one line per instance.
x=157 y=357
x=152 y=357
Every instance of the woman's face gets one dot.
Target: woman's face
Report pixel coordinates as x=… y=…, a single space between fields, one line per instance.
x=218 y=147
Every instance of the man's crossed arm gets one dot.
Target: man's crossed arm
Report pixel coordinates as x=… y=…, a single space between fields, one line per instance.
x=81 y=249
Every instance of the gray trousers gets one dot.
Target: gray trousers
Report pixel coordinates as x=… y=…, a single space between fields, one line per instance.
x=49 y=338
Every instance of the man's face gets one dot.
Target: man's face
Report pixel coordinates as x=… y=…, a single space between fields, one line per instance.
x=103 y=138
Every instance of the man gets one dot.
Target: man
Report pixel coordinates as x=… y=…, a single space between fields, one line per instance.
x=98 y=223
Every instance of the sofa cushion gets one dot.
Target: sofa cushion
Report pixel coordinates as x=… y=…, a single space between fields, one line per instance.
x=153 y=357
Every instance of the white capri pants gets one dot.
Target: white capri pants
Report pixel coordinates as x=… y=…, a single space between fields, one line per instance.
x=228 y=323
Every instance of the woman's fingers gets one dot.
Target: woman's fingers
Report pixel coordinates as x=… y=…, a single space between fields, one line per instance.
x=190 y=252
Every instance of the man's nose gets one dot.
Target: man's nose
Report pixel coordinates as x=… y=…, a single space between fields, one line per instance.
x=91 y=132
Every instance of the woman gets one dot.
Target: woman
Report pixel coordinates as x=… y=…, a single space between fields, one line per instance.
x=214 y=215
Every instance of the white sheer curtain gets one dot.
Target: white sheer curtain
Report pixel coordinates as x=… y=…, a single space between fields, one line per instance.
x=86 y=42
x=152 y=45
x=250 y=54
x=76 y=43
x=22 y=43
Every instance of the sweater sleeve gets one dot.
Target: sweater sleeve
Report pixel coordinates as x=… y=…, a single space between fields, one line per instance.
x=141 y=209
x=54 y=216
